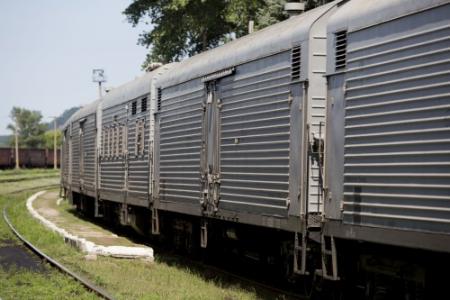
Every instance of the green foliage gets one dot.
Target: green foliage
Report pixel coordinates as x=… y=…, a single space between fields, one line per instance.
x=49 y=139
x=182 y=28
x=29 y=126
x=187 y=27
x=271 y=13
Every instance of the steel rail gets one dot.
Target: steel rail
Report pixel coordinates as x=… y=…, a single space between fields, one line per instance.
x=87 y=284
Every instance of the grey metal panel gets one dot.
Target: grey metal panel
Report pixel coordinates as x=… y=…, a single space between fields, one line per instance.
x=112 y=168
x=138 y=165
x=334 y=147
x=255 y=136
x=75 y=154
x=89 y=152
x=84 y=111
x=358 y=14
x=65 y=161
x=397 y=124
x=180 y=137
x=268 y=41
x=133 y=89
x=316 y=106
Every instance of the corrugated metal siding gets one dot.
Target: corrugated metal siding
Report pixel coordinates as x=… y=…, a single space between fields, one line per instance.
x=180 y=142
x=112 y=168
x=89 y=152
x=75 y=144
x=397 y=125
x=65 y=158
x=254 y=142
x=138 y=167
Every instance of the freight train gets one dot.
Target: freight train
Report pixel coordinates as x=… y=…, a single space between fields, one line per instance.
x=319 y=145
x=28 y=158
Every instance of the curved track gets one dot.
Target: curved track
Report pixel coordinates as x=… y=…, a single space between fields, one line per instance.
x=89 y=285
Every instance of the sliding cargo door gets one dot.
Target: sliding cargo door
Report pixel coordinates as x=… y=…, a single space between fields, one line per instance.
x=137 y=164
x=180 y=111
x=75 y=163
x=87 y=153
x=255 y=107
x=113 y=154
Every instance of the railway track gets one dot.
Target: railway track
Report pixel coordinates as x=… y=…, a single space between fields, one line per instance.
x=46 y=258
x=268 y=290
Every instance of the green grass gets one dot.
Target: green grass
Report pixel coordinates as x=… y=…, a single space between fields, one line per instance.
x=125 y=278
x=22 y=284
x=25 y=174
x=17 y=283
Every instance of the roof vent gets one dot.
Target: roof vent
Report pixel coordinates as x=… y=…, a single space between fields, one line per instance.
x=294 y=8
x=340 y=50
x=159 y=99
x=296 y=55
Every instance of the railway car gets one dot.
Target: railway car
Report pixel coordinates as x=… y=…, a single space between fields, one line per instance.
x=28 y=158
x=80 y=160
x=234 y=127
x=388 y=135
x=107 y=156
x=6 y=158
x=319 y=145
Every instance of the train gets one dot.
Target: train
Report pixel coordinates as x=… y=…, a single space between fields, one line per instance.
x=319 y=146
x=28 y=158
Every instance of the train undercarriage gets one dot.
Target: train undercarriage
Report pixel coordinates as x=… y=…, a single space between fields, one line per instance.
x=364 y=270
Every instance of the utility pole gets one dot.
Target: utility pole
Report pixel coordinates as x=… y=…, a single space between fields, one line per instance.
x=16 y=142
x=55 y=155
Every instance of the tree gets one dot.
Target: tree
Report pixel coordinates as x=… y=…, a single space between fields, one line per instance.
x=184 y=28
x=29 y=127
x=271 y=13
x=187 y=27
x=49 y=139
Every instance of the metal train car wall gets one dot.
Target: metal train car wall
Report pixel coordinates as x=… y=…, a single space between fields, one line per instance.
x=324 y=136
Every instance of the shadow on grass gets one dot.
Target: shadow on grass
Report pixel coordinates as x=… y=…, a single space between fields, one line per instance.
x=15 y=256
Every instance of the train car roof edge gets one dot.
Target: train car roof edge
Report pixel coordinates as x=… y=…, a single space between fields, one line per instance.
x=265 y=42
x=358 y=14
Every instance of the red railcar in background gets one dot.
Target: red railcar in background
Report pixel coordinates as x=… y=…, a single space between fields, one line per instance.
x=28 y=158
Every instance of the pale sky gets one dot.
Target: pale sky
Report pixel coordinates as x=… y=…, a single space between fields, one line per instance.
x=48 y=49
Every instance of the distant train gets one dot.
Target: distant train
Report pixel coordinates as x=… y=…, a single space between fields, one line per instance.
x=319 y=145
x=28 y=158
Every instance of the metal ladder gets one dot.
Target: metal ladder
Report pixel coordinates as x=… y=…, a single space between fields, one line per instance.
x=300 y=251
x=329 y=258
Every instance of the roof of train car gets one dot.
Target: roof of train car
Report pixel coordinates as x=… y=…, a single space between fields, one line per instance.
x=123 y=93
x=133 y=89
x=357 y=14
x=265 y=42
x=82 y=112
